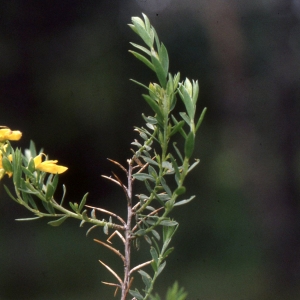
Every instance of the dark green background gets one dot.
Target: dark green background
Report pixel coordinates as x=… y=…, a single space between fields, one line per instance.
x=64 y=82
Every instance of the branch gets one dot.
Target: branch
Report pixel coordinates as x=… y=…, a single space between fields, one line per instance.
x=140 y=266
x=111 y=248
x=108 y=212
x=118 y=164
x=112 y=272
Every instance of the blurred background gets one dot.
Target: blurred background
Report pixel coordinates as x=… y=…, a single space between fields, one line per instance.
x=64 y=82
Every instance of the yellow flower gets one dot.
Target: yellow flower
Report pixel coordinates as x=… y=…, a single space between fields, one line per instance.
x=7 y=134
x=48 y=166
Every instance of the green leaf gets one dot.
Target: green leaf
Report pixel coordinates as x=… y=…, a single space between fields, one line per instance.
x=141 y=31
x=148 y=240
x=182 y=202
x=6 y=164
x=74 y=206
x=31 y=166
x=50 y=192
x=85 y=216
x=195 y=92
x=9 y=193
x=143 y=177
x=185 y=117
x=32 y=149
x=140 y=232
x=143 y=59
x=175 y=166
x=28 y=199
x=155 y=234
x=161 y=267
x=141 y=48
x=149 y=160
x=152 y=172
x=152 y=103
x=177 y=127
x=170 y=250
x=64 y=194
x=136 y=294
x=48 y=207
x=154 y=254
x=17 y=170
x=189 y=106
x=168 y=223
x=165 y=186
x=146 y=279
x=105 y=229
x=197 y=161
x=58 y=221
x=147 y=22
x=179 y=191
x=156 y=39
x=28 y=173
x=201 y=118
x=150 y=119
x=189 y=145
x=159 y=70
x=55 y=181
x=82 y=203
x=164 y=59
x=28 y=219
x=181 y=130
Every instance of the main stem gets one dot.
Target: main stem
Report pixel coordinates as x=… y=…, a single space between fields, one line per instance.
x=126 y=281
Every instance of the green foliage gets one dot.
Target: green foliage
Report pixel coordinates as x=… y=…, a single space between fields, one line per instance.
x=174 y=293
x=161 y=168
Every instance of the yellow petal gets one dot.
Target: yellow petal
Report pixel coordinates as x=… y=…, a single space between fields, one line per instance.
x=7 y=134
x=37 y=160
x=49 y=167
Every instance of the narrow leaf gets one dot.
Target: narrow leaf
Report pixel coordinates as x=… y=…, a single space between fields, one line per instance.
x=28 y=219
x=193 y=165
x=143 y=59
x=165 y=186
x=146 y=278
x=181 y=131
x=177 y=127
x=82 y=203
x=58 y=221
x=189 y=145
x=201 y=118
x=141 y=48
x=9 y=193
x=152 y=103
x=136 y=294
x=164 y=58
x=161 y=267
x=182 y=202
x=143 y=177
x=159 y=70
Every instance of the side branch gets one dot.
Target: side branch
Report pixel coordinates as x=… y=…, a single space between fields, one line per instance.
x=108 y=212
x=140 y=266
x=111 y=248
x=111 y=271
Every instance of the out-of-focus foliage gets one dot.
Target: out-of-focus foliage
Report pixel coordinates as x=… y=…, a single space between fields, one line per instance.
x=63 y=78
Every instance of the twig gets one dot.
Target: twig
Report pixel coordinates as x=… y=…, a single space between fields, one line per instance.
x=111 y=248
x=125 y=190
x=140 y=266
x=150 y=214
x=112 y=271
x=108 y=212
x=111 y=179
x=120 y=236
x=118 y=164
